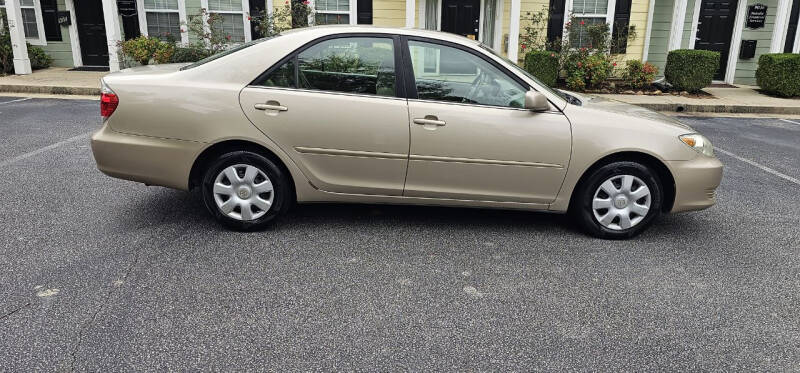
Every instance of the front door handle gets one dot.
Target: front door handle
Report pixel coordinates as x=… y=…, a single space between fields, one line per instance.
x=271 y=105
x=429 y=120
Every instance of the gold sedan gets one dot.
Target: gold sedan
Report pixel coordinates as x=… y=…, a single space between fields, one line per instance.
x=374 y=115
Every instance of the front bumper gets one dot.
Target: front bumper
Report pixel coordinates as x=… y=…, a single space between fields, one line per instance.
x=149 y=160
x=696 y=182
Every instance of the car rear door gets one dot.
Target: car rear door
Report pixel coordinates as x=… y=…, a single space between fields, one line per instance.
x=470 y=136
x=337 y=109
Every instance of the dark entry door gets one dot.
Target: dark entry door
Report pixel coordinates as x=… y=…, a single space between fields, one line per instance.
x=461 y=17
x=714 y=30
x=91 y=32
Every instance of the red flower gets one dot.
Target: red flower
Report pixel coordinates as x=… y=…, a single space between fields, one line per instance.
x=615 y=64
x=228 y=37
x=249 y=18
x=306 y=2
x=582 y=23
x=523 y=46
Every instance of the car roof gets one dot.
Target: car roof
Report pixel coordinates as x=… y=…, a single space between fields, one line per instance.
x=340 y=29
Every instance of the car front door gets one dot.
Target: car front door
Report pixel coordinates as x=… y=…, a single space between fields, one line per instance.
x=334 y=108
x=470 y=136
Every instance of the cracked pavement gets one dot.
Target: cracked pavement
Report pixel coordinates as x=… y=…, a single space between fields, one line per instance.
x=99 y=274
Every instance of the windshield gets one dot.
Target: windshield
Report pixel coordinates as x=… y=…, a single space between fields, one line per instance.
x=522 y=71
x=226 y=52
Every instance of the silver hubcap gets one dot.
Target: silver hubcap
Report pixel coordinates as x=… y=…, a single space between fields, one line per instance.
x=621 y=202
x=243 y=192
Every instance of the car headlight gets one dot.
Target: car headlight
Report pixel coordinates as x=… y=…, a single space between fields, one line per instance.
x=698 y=142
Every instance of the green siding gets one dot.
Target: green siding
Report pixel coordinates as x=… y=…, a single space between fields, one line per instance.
x=687 y=24
x=746 y=69
x=659 y=36
x=61 y=51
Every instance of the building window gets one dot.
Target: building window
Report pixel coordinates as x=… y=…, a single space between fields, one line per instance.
x=587 y=13
x=163 y=19
x=332 y=12
x=31 y=21
x=233 y=18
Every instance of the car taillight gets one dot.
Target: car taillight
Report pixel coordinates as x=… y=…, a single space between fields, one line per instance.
x=108 y=101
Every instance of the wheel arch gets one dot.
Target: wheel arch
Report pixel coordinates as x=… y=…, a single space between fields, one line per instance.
x=661 y=169
x=212 y=152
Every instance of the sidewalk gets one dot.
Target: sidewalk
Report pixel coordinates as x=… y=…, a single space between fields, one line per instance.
x=54 y=80
x=744 y=99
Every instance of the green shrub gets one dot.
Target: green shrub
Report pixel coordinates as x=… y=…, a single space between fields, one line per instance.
x=639 y=75
x=691 y=70
x=543 y=65
x=6 y=54
x=188 y=54
x=592 y=69
x=779 y=74
x=144 y=49
x=39 y=59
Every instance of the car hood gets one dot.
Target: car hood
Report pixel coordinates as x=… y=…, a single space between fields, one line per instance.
x=622 y=108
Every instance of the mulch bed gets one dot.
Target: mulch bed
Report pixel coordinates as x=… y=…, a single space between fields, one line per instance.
x=649 y=91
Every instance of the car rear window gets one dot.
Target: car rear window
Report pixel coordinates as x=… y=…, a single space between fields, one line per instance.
x=226 y=52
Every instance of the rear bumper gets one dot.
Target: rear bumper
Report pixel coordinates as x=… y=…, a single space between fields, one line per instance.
x=149 y=160
x=696 y=182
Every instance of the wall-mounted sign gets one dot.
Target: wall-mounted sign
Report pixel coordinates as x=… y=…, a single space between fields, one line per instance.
x=64 y=18
x=756 y=15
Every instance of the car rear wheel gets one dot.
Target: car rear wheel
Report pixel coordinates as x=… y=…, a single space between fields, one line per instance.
x=618 y=200
x=245 y=190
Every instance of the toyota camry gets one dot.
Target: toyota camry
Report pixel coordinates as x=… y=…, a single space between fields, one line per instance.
x=399 y=116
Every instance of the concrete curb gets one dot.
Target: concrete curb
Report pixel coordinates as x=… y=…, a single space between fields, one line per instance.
x=735 y=109
x=52 y=90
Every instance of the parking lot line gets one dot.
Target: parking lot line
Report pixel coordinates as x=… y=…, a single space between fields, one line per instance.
x=789 y=121
x=18 y=100
x=762 y=167
x=44 y=149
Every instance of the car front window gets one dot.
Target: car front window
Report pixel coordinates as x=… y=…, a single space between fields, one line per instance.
x=444 y=73
x=522 y=71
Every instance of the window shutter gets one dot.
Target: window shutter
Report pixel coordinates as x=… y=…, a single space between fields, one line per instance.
x=364 y=9
x=52 y=30
x=555 y=23
x=788 y=47
x=619 y=34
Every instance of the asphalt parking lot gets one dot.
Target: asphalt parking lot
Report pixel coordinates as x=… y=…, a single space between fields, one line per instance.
x=99 y=274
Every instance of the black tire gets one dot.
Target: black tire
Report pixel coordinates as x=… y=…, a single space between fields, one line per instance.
x=281 y=192
x=581 y=207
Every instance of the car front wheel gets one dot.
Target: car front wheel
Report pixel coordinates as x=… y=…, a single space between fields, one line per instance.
x=245 y=190
x=618 y=200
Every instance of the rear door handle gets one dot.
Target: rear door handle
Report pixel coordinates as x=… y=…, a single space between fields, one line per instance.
x=429 y=120
x=270 y=106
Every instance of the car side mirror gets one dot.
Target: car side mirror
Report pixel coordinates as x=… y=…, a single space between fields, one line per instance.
x=536 y=101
